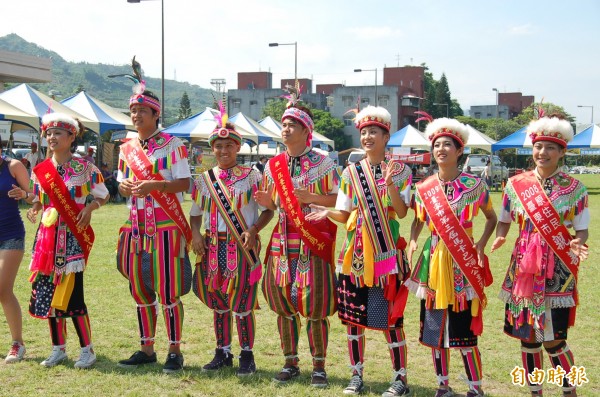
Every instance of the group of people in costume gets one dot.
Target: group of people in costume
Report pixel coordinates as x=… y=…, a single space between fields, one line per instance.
x=303 y=190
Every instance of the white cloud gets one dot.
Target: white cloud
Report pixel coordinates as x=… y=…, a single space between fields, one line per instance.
x=521 y=30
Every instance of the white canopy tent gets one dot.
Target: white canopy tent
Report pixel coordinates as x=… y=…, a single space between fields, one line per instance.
x=479 y=140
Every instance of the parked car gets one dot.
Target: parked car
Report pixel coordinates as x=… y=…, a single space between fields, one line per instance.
x=356 y=156
x=19 y=153
x=476 y=163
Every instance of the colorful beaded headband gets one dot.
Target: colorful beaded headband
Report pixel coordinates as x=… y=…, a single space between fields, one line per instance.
x=59 y=120
x=299 y=115
x=222 y=131
x=550 y=129
x=372 y=120
x=144 y=100
x=444 y=127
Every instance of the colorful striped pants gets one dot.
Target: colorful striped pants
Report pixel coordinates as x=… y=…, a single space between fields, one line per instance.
x=315 y=302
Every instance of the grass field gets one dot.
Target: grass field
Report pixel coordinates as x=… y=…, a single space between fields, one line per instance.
x=114 y=327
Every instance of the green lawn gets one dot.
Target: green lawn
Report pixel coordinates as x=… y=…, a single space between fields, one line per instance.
x=114 y=327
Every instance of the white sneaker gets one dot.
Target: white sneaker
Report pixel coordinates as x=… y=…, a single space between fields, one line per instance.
x=87 y=357
x=16 y=353
x=58 y=355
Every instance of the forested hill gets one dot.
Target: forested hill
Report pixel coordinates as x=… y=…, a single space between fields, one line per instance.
x=68 y=78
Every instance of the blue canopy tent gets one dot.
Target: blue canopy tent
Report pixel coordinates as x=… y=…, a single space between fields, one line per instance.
x=199 y=126
x=408 y=136
x=275 y=127
x=518 y=139
x=107 y=117
x=588 y=138
x=262 y=133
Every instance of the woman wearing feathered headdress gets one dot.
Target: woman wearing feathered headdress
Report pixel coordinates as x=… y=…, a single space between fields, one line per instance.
x=450 y=274
x=374 y=193
x=64 y=239
x=540 y=287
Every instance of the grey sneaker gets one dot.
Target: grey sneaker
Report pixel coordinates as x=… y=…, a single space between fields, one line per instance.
x=16 y=353
x=57 y=356
x=355 y=386
x=87 y=357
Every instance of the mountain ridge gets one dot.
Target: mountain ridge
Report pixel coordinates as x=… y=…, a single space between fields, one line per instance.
x=69 y=78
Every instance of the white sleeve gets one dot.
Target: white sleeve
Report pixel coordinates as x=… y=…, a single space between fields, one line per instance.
x=582 y=221
x=195 y=210
x=405 y=195
x=181 y=169
x=504 y=216
x=120 y=176
x=99 y=191
x=343 y=202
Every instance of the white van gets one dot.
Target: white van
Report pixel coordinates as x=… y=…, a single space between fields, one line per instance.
x=476 y=163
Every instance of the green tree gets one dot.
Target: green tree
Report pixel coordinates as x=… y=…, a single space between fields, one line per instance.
x=79 y=88
x=531 y=112
x=185 y=110
x=332 y=128
x=274 y=108
x=442 y=96
x=438 y=92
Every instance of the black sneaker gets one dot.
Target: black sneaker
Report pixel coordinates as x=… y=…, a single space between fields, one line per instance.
x=138 y=358
x=247 y=365
x=319 y=379
x=220 y=360
x=355 y=386
x=397 y=388
x=174 y=363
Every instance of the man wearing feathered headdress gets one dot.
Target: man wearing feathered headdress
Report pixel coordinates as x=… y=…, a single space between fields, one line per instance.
x=228 y=267
x=152 y=251
x=299 y=278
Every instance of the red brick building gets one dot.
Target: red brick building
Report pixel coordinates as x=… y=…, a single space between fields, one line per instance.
x=255 y=80
x=306 y=84
x=515 y=101
x=411 y=90
x=327 y=89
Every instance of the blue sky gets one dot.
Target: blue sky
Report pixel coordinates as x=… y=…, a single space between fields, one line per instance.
x=547 y=49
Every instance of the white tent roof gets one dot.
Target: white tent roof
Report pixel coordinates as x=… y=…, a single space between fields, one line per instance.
x=275 y=127
x=12 y=113
x=34 y=102
x=479 y=140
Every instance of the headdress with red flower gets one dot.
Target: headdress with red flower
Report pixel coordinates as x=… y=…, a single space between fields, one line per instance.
x=444 y=127
x=223 y=130
x=373 y=115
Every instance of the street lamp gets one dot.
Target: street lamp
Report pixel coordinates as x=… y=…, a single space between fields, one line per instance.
x=370 y=70
x=295 y=44
x=443 y=104
x=495 y=89
x=588 y=106
x=162 y=71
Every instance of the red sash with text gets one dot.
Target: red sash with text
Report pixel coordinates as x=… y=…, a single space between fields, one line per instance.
x=233 y=219
x=320 y=245
x=546 y=220
x=53 y=185
x=141 y=167
x=457 y=241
